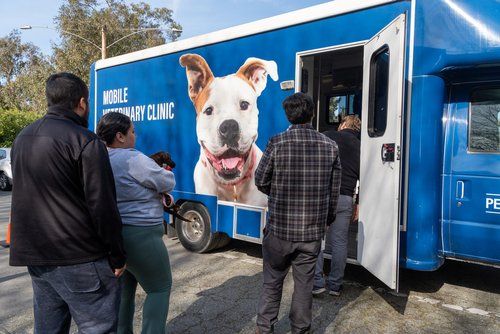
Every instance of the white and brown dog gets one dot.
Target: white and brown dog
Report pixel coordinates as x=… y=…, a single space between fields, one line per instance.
x=226 y=126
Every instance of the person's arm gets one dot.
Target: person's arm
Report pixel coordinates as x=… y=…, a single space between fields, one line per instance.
x=100 y=195
x=264 y=172
x=335 y=186
x=355 y=208
x=150 y=175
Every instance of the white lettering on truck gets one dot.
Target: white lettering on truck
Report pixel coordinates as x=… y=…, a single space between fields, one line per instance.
x=114 y=96
x=493 y=203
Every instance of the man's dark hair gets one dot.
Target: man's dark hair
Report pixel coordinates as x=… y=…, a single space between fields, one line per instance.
x=299 y=108
x=112 y=123
x=65 y=90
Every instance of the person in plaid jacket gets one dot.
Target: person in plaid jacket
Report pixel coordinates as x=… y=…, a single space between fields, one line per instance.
x=300 y=172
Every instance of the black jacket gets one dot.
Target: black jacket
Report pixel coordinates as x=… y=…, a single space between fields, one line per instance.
x=63 y=198
x=349 y=151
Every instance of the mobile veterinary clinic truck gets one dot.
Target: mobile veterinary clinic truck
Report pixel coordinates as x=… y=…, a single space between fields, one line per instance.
x=423 y=75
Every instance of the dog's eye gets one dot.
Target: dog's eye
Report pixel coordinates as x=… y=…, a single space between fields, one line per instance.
x=244 y=105
x=208 y=111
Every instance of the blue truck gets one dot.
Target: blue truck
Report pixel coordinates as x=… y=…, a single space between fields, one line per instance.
x=424 y=76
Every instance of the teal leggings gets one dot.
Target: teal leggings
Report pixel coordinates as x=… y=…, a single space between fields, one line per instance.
x=148 y=265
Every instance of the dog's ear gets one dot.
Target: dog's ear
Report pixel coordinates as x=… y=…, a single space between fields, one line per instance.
x=198 y=73
x=255 y=70
x=158 y=157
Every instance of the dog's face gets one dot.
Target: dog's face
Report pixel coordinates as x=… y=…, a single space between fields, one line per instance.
x=227 y=113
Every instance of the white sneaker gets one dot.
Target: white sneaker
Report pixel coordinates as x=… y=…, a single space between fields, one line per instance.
x=317 y=291
x=334 y=292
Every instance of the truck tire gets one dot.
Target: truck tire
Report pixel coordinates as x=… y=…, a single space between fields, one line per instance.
x=4 y=182
x=197 y=236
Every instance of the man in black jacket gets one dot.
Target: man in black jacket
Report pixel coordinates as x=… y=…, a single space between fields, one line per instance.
x=337 y=236
x=65 y=223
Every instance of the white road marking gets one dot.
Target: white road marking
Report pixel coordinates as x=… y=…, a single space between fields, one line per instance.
x=477 y=311
x=252 y=261
x=453 y=307
x=428 y=300
x=227 y=256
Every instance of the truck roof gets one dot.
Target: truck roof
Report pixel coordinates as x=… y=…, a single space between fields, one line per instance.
x=317 y=12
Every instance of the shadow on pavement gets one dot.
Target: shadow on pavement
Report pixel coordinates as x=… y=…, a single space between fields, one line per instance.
x=325 y=310
x=227 y=308
x=468 y=275
x=248 y=248
x=13 y=276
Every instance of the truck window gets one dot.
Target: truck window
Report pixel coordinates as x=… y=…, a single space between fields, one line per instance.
x=340 y=105
x=379 y=84
x=336 y=108
x=484 y=121
x=3 y=154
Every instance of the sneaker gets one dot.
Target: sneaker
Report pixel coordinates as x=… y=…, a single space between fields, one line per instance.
x=335 y=292
x=318 y=290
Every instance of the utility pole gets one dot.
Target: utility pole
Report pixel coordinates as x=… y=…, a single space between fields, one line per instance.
x=103 y=42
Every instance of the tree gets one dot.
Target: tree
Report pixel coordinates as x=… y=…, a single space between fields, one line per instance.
x=86 y=18
x=12 y=122
x=23 y=70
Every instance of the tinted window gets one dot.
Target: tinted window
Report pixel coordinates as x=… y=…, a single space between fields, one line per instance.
x=336 y=108
x=484 y=122
x=3 y=154
x=379 y=84
x=342 y=105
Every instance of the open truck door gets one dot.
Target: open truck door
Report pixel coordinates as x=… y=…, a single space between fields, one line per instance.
x=380 y=173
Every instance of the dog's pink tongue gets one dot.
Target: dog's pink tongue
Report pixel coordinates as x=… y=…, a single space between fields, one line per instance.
x=230 y=163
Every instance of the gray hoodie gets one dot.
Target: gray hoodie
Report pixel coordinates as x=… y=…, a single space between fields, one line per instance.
x=139 y=183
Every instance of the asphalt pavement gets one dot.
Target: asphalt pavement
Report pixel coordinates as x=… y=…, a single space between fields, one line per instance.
x=218 y=293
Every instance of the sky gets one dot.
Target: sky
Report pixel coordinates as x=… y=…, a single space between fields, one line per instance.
x=197 y=17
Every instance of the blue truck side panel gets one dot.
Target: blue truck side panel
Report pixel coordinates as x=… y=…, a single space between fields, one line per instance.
x=243 y=228
x=447 y=34
x=450 y=38
x=226 y=219
x=471 y=226
x=161 y=82
x=424 y=193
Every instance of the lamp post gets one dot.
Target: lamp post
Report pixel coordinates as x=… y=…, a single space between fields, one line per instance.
x=103 y=48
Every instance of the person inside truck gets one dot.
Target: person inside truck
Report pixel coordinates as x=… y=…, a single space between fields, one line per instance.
x=140 y=183
x=337 y=235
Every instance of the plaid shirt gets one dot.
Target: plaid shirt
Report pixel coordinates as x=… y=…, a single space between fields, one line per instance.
x=300 y=171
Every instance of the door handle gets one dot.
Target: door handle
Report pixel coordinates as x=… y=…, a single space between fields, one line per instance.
x=460 y=190
x=387 y=152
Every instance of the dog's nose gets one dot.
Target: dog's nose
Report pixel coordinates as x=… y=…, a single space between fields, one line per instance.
x=229 y=131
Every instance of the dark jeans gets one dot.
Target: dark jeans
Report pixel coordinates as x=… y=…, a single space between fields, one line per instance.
x=337 y=236
x=88 y=292
x=278 y=256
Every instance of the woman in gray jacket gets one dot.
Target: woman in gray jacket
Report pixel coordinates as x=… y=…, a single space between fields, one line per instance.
x=140 y=183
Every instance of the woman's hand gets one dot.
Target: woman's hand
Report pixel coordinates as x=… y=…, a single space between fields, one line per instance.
x=355 y=213
x=118 y=272
x=168 y=200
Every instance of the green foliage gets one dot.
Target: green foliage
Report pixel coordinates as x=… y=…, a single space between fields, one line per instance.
x=23 y=71
x=86 y=18
x=12 y=122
